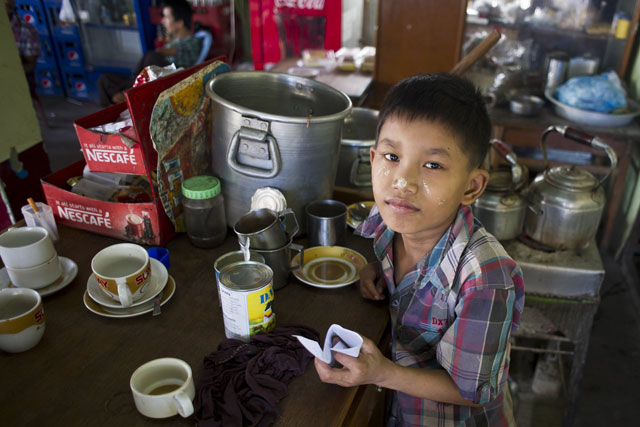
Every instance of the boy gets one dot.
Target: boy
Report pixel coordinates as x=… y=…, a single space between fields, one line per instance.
x=455 y=295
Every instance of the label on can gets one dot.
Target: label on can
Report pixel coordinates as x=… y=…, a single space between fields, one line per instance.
x=246 y=293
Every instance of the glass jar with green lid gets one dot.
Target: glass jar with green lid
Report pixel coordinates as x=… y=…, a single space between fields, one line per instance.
x=204 y=215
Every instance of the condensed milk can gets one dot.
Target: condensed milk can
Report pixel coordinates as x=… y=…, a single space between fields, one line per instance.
x=246 y=293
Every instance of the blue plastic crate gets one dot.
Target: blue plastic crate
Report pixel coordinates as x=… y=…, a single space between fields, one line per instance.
x=76 y=83
x=69 y=51
x=33 y=12
x=59 y=28
x=48 y=55
x=48 y=81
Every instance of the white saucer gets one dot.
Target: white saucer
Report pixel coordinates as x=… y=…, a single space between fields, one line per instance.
x=69 y=271
x=159 y=276
x=96 y=308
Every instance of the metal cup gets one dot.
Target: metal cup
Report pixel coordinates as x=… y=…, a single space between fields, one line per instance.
x=326 y=222
x=280 y=262
x=266 y=229
x=556 y=67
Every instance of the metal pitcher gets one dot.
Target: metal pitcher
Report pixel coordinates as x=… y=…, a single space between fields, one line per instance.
x=565 y=203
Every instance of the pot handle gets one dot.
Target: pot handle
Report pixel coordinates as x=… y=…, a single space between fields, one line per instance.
x=362 y=158
x=507 y=153
x=258 y=148
x=584 y=139
x=300 y=249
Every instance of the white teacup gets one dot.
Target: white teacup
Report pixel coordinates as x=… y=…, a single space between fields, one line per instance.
x=38 y=276
x=163 y=387
x=22 y=319
x=26 y=247
x=123 y=271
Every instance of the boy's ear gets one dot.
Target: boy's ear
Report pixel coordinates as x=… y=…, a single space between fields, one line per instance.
x=478 y=179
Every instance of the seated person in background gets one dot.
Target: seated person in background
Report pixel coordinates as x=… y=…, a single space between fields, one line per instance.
x=182 y=49
x=27 y=42
x=455 y=295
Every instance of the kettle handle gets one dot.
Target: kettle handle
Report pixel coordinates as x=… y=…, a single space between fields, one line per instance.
x=584 y=139
x=507 y=153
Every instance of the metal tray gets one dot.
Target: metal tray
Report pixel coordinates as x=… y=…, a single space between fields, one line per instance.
x=592 y=118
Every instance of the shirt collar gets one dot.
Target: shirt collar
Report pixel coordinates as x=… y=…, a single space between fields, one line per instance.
x=450 y=245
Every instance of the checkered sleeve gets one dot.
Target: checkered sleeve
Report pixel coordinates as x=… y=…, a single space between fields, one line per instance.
x=475 y=348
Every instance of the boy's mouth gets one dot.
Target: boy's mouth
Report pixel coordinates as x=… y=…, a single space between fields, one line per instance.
x=401 y=206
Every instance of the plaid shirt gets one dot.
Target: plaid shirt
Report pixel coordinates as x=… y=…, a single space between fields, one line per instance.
x=454 y=311
x=26 y=35
x=187 y=51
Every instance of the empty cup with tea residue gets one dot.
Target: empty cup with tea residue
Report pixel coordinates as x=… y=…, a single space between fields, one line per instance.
x=204 y=214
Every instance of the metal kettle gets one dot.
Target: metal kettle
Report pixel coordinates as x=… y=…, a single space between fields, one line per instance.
x=501 y=208
x=565 y=203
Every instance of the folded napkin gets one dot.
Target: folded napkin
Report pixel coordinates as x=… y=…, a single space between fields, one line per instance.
x=338 y=339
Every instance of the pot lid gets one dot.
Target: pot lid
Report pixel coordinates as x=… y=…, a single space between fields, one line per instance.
x=499 y=181
x=571 y=178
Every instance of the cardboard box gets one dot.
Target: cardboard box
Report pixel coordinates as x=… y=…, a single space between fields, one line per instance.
x=109 y=153
x=144 y=223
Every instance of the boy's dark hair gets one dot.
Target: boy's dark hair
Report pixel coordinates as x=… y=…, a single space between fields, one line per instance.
x=452 y=101
x=181 y=10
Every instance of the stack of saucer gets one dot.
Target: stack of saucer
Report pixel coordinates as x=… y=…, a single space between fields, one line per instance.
x=161 y=286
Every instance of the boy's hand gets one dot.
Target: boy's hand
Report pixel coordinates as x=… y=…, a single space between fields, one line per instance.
x=371 y=282
x=368 y=368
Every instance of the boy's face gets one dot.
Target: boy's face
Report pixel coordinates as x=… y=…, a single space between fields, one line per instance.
x=420 y=176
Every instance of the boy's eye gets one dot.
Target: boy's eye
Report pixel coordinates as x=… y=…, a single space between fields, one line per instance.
x=432 y=165
x=391 y=157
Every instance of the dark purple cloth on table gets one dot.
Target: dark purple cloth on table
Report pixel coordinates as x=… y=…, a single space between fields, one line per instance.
x=243 y=383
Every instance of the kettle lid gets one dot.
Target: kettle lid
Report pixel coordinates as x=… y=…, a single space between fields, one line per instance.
x=571 y=178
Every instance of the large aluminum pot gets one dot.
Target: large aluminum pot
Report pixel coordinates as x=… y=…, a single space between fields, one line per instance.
x=275 y=130
x=501 y=208
x=358 y=136
x=566 y=203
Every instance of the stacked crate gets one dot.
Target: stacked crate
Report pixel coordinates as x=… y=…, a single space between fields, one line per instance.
x=68 y=48
x=48 y=77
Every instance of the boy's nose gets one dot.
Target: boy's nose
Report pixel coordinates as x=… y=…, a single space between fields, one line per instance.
x=405 y=184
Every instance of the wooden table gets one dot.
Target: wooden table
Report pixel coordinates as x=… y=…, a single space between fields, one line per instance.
x=78 y=375
x=354 y=83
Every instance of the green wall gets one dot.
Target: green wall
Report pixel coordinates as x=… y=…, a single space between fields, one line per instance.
x=18 y=123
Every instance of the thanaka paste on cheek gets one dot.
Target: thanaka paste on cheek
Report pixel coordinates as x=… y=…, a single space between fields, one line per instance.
x=426 y=188
x=383 y=170
x=428 y=191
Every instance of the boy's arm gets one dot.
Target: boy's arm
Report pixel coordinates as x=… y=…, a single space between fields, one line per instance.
x=371 y=367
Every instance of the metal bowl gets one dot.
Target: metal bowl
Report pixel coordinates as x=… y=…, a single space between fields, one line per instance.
x=526 y=105
x=592 y=118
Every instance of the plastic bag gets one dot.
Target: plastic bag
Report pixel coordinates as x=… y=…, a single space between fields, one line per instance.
x=66 y=12
x=602 y=93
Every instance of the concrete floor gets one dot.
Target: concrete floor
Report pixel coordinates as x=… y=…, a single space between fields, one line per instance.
x=610 y=389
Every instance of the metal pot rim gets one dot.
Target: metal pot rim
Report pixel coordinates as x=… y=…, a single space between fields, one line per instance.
x=276 y=117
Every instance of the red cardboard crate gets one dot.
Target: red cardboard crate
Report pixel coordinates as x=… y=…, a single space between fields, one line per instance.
x=144 y=223
x=108 y=153
x=111 y=156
